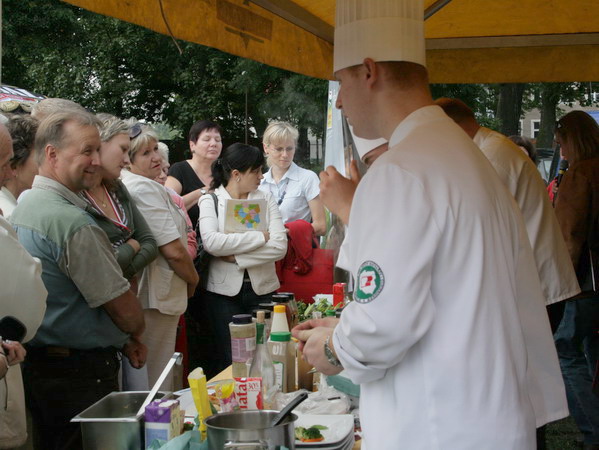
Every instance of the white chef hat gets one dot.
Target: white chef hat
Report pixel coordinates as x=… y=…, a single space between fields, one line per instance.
x=364 y=146
x=384 y=30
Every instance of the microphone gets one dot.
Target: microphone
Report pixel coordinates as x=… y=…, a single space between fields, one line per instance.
x=563 y=166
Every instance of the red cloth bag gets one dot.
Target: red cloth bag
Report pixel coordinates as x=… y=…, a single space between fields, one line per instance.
x=305 y=270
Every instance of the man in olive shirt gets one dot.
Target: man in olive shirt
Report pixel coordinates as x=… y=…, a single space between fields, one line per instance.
x=91 y=313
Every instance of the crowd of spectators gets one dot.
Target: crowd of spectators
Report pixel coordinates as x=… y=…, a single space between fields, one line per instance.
x=99 y=234
x=103 y=237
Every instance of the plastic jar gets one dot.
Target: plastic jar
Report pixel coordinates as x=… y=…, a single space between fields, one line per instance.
x=243 y=343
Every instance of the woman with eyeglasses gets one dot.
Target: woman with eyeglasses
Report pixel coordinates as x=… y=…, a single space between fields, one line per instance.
x=577 y=210
x=296 y=190
x=242 y=273
x=167 y=283
x=191 y=178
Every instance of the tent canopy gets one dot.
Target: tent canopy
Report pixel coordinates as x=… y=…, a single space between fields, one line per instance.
x=468 y=41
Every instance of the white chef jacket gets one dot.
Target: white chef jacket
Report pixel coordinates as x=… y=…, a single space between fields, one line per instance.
x=518 y=173
x=441 y=352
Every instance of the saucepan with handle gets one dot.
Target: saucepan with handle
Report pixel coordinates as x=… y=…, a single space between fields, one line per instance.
x=254 y=430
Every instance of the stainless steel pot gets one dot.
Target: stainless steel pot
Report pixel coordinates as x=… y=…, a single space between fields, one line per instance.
x=250 y=430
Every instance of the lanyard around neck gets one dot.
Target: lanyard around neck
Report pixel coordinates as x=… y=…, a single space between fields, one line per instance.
x=281 y=185
x=120 y=219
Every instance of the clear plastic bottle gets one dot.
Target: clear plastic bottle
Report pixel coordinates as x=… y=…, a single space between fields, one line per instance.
x=262 y=367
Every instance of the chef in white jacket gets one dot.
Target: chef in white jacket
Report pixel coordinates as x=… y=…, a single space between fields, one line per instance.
x=438 y=336
x=524 y=182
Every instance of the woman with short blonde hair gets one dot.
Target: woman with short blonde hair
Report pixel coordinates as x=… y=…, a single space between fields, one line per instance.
x=296 y=190
x=168 y=282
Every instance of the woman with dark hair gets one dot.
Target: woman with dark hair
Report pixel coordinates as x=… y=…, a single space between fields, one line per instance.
x=526 y=145
x=242 y=274
x=190 y=178
x=577 y=210
x=23 y=164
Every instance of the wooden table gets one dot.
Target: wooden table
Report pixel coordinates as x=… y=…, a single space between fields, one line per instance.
x=228 y=374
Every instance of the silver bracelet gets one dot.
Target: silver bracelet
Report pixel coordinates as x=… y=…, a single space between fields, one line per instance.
x=331 y=358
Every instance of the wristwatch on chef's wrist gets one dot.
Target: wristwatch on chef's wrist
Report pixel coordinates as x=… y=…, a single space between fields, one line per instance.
x=203 y=191
x=331 y=358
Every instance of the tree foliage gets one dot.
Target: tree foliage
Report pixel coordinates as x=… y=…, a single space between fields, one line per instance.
x=112 y=66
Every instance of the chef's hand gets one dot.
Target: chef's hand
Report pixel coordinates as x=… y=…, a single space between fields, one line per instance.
x=313 y=348
x=15 y=352
x=136 y=352
x=337 y=192
x=327 y=322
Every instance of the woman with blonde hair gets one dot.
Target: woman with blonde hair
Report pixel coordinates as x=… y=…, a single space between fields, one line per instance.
x=577 y=210
x=113 y=208
x=296 y=190
x=168 y=282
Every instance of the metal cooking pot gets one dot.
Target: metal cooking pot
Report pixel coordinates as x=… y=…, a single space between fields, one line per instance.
x=250 y=430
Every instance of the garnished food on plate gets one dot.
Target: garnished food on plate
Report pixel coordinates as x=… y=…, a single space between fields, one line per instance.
x=311 y=434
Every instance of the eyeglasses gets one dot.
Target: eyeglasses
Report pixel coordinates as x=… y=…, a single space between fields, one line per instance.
x=280 y=150
x=135 y=131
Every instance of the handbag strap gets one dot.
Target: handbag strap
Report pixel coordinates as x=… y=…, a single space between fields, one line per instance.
x=198 y=235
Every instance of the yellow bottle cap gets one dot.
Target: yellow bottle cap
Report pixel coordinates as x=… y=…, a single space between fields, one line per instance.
x=279 y=308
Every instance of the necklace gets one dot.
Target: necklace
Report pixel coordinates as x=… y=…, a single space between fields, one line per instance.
x=102 y=201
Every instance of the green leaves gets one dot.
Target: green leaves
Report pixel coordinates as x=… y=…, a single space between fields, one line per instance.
x=112 y=66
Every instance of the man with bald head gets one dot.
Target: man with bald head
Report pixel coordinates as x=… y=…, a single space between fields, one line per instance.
x=47 y=106
x=91 y=313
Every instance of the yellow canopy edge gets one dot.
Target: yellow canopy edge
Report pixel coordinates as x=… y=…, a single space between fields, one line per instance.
x=468 y=41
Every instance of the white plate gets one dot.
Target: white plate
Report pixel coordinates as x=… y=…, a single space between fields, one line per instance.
x=345 y=444
x=338 y=428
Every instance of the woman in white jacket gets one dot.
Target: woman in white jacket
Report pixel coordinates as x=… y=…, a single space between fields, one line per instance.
x=242 y=274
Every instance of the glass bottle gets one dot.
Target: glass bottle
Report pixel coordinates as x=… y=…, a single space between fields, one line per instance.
x=262 y=367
